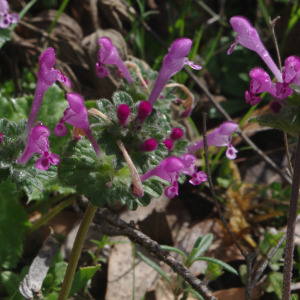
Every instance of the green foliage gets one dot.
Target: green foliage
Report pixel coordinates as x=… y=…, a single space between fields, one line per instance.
x=270 y=240
x=13 y=223
x=54 y=277
x=288 y=119
x=82 y=276
x=98 y=180
x=4 y=36
x=154 y=266
x=25 y=176
x=213 y=270
x=10 y=282
x=273 y=283
x=200 y=246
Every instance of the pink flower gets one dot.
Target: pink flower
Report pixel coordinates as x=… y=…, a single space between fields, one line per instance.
x=219 y=137
x=260 y=80
x=248 y=37
x=1 y=137
x=108 y=54
x=76 y=115
x=170 y=168
x=47 y=75
x=173 y=62
x=5 y=17
x=38 y=144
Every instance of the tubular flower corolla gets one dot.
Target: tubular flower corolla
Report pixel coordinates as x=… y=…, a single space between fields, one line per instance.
x=76 y=114
x=38 y=144
x=170 y=168
x=173 y=62
x=108 y=54
x=219 y=137
x=47 y=75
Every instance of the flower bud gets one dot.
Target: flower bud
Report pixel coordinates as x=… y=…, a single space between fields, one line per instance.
x=149 y=145
x=123 y=113
x=169 y=144
x=176 y=134
x=144 y=110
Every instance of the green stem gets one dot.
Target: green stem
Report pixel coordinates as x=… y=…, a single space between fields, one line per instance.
x=41 y=205
x=76 y=250
x=60 y=11
x=289 y=248
x=44 y=219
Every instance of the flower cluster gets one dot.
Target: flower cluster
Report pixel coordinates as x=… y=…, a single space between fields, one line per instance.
x=260 y=80
x=5 y=17
x=108 y=54
x=170 y=168
x=221 y=136
x=38 y=144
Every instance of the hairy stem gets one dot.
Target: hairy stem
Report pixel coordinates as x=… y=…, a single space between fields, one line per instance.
x=76 y=250
x=289 y=249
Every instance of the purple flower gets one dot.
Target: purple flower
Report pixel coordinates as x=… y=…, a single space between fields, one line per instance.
x=38 y=144
x=1 y=137
x=5 y=17
x=47 y=75
x=219 y=137
x=248 y=37
x=173 y=62
x=260 y=80
x=76 y=115
x=108 y=54
x=170 y=168
x=123 y=113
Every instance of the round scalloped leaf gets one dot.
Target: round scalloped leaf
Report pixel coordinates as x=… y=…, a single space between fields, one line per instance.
x=122 y=97
x=97 y=179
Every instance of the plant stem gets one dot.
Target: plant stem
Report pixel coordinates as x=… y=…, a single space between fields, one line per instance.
x=289 y=249
x=76 y=250
x=56 y=210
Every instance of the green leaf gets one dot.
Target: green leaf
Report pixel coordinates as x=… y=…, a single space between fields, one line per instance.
x=155 y=266
x=273 y=283
x=200 y=246
x=4 y=36
x=194 y=293
x=153 y=188
x=120 y=98
x=173 y=249
x=243 y=273
x=287 y=120
x=10 y=282
x=82 y=276
x=13 y=223
x=218 y=262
